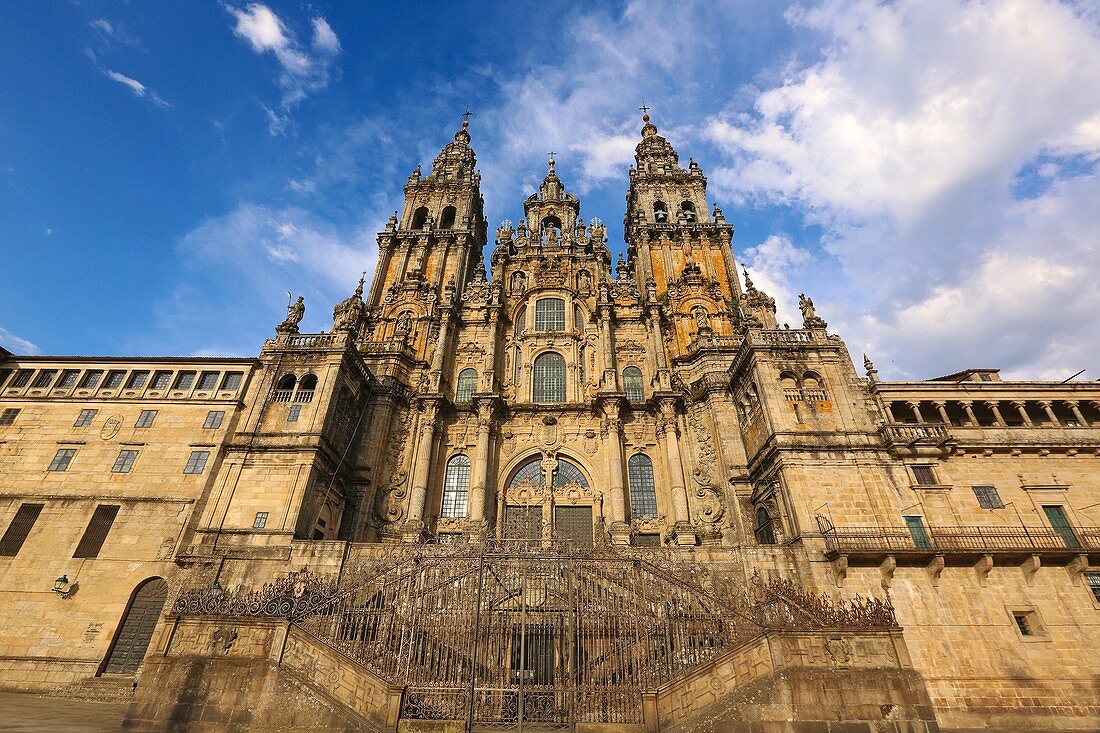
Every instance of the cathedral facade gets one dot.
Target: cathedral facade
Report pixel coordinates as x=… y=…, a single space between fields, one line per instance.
x=548 y=490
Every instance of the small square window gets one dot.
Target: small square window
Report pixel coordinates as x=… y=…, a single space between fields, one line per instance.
x=21 y=378
x=137 y=380
x=62 y=459
x=213 y=419
x=924 y=475
x=197 y=462
x=7 y=417
x=91 y=378
x=260 y=521
x=1027 y=623
x=161 y=380
x=1092 y=580
x=988 y=498
x=125 y=461
x=68 y=379
x=145 y=419
x=208 y=380
x=85 y=418
x=44 y=378
x=185 y=380
x=114 y=379
x=232 y=380
x=293 y=413
x=1023 y=624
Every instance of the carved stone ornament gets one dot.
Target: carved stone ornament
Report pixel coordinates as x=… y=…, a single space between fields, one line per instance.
x=223 y=640
x=346 y=314
x=110 y=428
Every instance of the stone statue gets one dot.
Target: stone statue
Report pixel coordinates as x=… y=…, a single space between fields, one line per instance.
x=702 y=321
x=294 y=314
x=404 y=323
x=810 y=319
x=345 y=316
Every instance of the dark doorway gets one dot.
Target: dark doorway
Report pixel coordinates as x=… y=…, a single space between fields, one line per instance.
x=136 y=630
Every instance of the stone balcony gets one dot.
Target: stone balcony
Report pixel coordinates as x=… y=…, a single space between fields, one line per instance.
x=904 y=439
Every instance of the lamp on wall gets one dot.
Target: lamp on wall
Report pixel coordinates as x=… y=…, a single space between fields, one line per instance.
x=62 y=587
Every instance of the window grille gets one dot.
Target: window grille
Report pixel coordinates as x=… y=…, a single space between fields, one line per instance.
x=522 y=522
x=988 y=498
x=632 y=384
x=765 y=526
x=7 y=417
x=260 y=521
x=574 y=523
x=643 y=493
x=137 y=380
x=232 y=380
x=125 y=461
x=214 y=419
x=21 y=378
x=293 y=413
x=456 y=487
x=161 y=380
x=208 y=380
x=568 y=473
x=20 y=527
x=85 y=418
x=1023 y=624
x=185 y=380
x=62 y=459
x=550 y=314
x=197 y=462
x=467 y=384
x=68 y=379
x=549 y=385
x=114 y=380
x=96 y=532
x=924 y=475
x=44 y=378
x=145 y=419
x=647 y=539
x=583 y=373
x=91 y=378
x=1092 y=579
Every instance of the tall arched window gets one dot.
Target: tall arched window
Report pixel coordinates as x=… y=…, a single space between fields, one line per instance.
x=549 y=380
x=420 y=217
x=467 y=385
x=765 y=526
x=550 y=314
x=447 y=220
x=578 y=319
x=456 y=487
x=643 y=494
x=521 y=321
x=632 y=384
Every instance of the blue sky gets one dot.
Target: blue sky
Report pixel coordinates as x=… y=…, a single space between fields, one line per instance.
x=926 y=170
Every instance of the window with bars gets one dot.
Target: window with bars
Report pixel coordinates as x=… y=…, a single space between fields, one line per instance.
x=632 y=384
x=114 y=379
x=1092 y=580
x=765 y=526
x=185 y=380
x=232 y=380
x=62 y=459
x=467 y=384
x=196 y=463
x=214 y=419
x=924 y=475
x=103 y=518
x=44 y=378
x=91 y=378
x=21 y=378
x=68 y=379
x=456 y=487
x=138 y=380
x=293 y=413
x=19 y=529
x=85 y=418
x=145 y=419
x=988 y=498
x=643 y=493
x=574 y=523
x=260 y=521
x=125 y=461
x=208 y=380
x=161 y=380
x=549 y=378
x=7 y=417
x=550 y=314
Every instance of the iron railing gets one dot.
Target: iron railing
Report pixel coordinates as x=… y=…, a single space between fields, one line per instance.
x=960 y=540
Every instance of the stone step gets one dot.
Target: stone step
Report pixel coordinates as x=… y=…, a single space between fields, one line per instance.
x=105 y=688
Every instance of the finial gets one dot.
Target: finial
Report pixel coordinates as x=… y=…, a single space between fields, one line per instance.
x=645 y=111
x=466 y=117
x=550 y=160
x=359 y=290
x=748 y=280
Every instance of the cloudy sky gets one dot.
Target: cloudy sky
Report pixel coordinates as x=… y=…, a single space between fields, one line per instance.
x=925 y=169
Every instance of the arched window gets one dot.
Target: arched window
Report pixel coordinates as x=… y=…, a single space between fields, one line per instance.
x=420 y=217
x=689 y=210
x=521 y=321
x=643 y=494
x=549 y=386
x=811 y=380
x=765 y=526
x=567 y=472
x=467 y=385
x=578 y=319
x=308 y=383
x=550 y=314
x=447 y=220
x=284 y=388
x=632 y=384
x=660 y=212
x=456 y=487
x=517 y=365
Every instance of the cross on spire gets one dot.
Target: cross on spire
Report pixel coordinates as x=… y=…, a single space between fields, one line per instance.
x=551 y=155
x=644 y=109
x=467 y=114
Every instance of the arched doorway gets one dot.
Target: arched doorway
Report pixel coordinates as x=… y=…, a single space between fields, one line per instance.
x=136 y=630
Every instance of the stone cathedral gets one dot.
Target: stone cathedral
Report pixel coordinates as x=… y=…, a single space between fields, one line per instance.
x=519 y=486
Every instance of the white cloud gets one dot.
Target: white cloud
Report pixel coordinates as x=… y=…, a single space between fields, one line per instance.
x=777 y=266
x=16 y=344
x=302 y=72
x=140 y=90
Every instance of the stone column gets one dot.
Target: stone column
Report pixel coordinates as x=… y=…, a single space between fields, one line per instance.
x=682 y=531
x=480 y=469
x=942 y=407
x=1049 y=410
x=995 y=408
x=968 y=406
x=414 y=527
x=609 y=382
x=915 y=407
x=1022 y=409
x=664 y=377
x=618 y=527
x=1075 y=407
x=889 y=413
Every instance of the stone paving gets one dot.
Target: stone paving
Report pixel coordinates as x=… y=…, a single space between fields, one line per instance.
x=21 y=713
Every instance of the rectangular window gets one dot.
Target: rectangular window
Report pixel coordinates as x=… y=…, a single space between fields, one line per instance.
x=91 y=378
x=85 y=418
x=197 y=462
x=208 y=380
x=161 y=380
x=145 y=419
x=114 y=379
x=21 y=378
x=924 y=475
x=185 y=380
x=1056 y=515
x=550 y=314
x=7 y=417
x=988 y=498
x=96 y=533
x=44 y=378
x=260 y=521
x=68 y=379
x=125 y=461
x=214 y=419
x=293 y=413
x=20 y=527
x=62 y=459
x=917 y=531
x=232 y=380
x=1092 y=580
x=137 y=380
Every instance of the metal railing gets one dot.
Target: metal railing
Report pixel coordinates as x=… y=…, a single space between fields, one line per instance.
x=960 y=540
